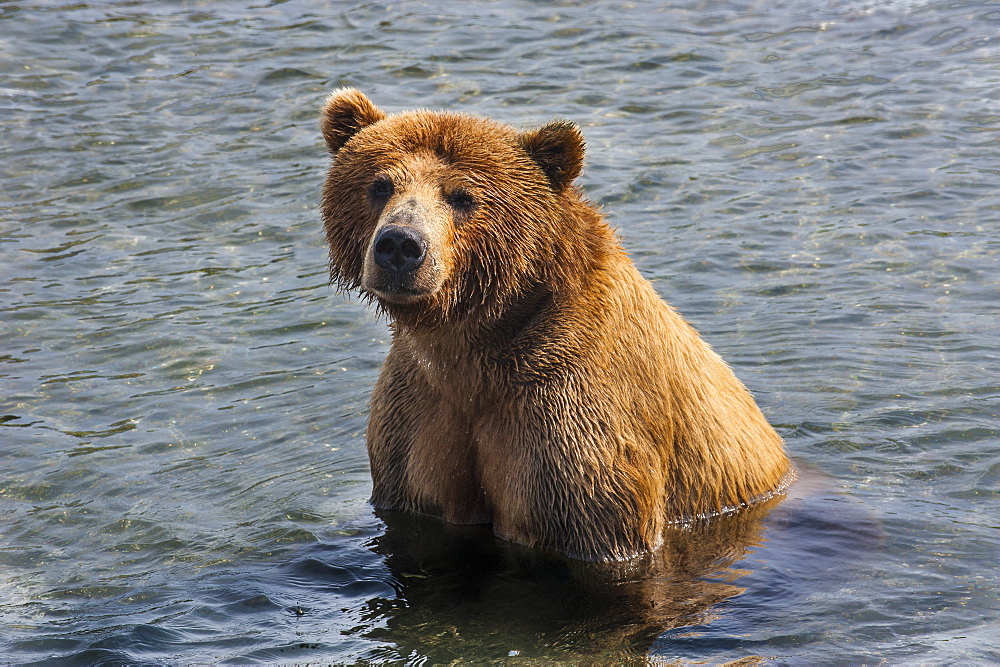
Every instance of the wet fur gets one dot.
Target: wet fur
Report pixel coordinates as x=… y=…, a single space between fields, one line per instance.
x=543 y=386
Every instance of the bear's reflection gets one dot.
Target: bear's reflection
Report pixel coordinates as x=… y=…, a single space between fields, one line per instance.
x=463 y=594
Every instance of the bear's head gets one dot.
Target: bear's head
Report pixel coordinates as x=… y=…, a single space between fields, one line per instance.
x=438 y=215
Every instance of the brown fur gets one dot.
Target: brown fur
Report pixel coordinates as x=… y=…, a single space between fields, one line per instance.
x=536 y=381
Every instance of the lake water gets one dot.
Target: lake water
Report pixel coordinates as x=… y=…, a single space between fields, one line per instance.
x=183 y=396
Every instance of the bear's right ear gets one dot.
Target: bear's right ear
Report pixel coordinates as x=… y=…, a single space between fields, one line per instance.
x=345 y=112
x=558 y=149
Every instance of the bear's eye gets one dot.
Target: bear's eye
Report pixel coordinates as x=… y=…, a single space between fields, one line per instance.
x=462 y=201
x=380 y=190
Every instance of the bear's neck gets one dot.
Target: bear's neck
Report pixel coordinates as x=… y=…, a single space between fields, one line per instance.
x=474 y=346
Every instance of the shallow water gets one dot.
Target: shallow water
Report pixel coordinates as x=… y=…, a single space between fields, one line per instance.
x=183 y=396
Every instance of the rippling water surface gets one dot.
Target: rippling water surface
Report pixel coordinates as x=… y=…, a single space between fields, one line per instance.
x=183 y=396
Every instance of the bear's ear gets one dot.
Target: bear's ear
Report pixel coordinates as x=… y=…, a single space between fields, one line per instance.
x=558 y=149
x=346 y=111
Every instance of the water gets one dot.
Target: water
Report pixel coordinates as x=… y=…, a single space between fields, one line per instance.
x=183 y=396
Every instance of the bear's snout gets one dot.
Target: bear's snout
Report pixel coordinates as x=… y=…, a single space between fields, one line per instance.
x=399 y=249
x=407 y=252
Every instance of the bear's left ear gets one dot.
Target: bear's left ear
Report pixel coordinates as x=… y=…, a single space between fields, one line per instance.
x=558 y=149
x=345 y=112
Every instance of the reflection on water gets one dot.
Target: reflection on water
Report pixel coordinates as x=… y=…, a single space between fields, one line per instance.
x=183 y=398
x=462 y=592
x=459 y=591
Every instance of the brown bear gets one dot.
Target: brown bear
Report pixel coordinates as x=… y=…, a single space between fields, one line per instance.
x=535 y=381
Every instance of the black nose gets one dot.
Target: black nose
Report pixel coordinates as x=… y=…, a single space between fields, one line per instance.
x=400 y=249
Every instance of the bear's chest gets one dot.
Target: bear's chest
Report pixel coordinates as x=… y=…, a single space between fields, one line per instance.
x=443 y=466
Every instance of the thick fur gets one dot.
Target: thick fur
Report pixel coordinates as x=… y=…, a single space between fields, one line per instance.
x=536 y=381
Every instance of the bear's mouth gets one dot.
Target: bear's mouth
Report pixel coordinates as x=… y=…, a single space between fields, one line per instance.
x=396 y=293
x=402 y=287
